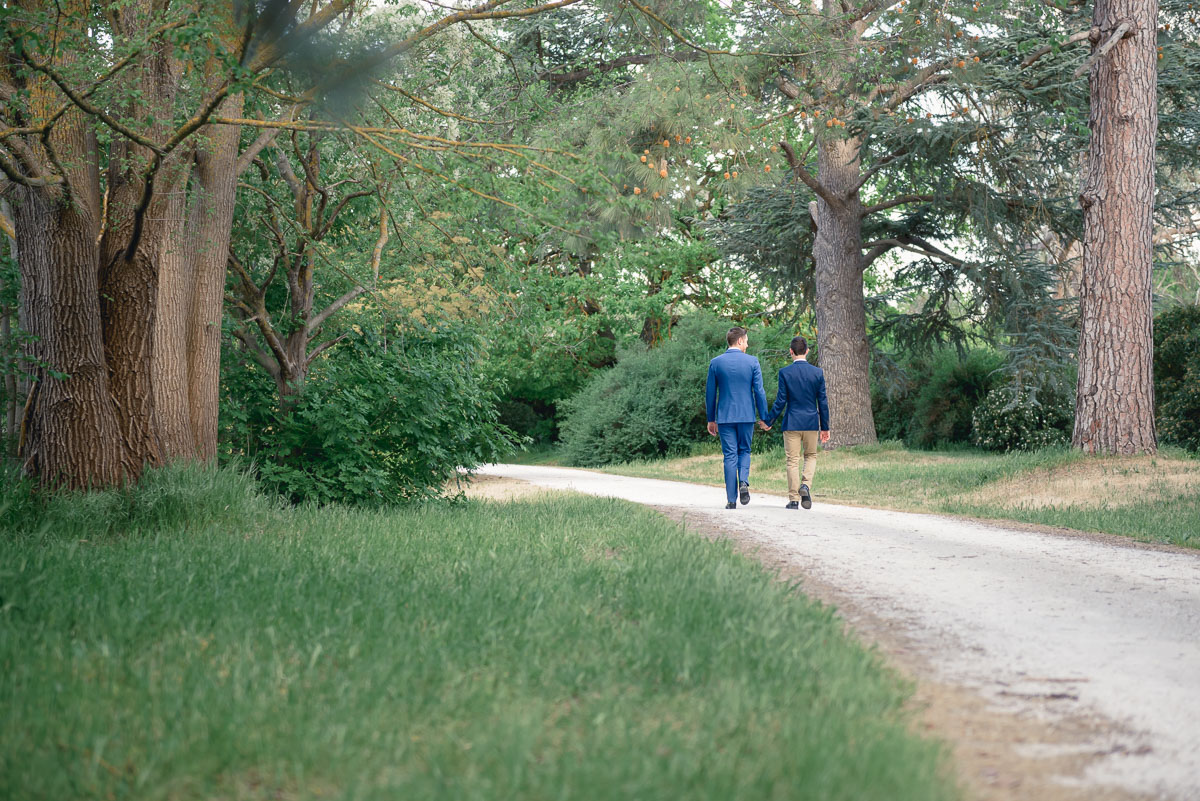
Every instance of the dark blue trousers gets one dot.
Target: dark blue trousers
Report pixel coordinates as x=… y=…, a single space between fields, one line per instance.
x=735 y=447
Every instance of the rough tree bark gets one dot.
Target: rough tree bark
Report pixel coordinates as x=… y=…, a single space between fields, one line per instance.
x=1114 y=409
x=190 y=295
x=67 y=419
x=842 y=346
x=70 y=431
x=216 y=177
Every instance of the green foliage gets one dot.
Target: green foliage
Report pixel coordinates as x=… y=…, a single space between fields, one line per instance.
x=1006 y=421
x=375 y=423
x=652 y=402
x=532 y=650
x=947 y=396
x=1177 y=375
x=565 y=319
x=892 y=407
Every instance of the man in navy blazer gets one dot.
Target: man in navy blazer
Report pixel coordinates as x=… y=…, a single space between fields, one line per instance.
x=802 y=392
x=734 y=392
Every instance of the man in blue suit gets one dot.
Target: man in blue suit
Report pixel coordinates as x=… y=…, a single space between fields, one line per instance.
x=802 y=392
x=734 y=391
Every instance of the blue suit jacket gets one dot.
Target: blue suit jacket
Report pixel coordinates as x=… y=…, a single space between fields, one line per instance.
x=735 y=388
x=802 y=391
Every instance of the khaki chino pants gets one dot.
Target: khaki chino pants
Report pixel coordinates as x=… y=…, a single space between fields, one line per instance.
x=796 y=443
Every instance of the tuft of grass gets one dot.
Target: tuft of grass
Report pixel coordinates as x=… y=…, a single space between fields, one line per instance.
x=179 y=497
x=1141 y=497
x=570 y=647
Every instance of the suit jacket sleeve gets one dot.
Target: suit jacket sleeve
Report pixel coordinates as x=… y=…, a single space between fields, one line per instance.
x=760 y=394
x=710 y=394
x=823 y=403
x=781 y=399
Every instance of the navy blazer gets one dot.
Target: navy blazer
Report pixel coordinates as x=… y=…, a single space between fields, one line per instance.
x=735 y=388
x=802 y=391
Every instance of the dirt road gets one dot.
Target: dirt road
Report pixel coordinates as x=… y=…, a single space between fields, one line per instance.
x=1089 y=649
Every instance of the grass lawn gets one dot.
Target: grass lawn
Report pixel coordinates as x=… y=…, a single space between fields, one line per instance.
x=208 y=645
x=1147 y=498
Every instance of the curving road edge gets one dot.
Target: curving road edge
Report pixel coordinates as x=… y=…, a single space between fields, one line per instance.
x=1115 y=629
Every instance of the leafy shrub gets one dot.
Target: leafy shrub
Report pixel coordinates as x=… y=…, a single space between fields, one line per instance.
x=652 y=402
x=893 y=396
x=1004 y=421
x=374 y=425
x=1177 y=376
x=947 y=397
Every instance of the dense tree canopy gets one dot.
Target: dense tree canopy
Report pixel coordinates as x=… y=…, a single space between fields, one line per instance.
x=197 y=189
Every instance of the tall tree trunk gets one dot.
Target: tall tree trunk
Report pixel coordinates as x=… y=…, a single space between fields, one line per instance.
x=843 y=350
x=176 y=285
x=1114 y=410
x=70 y=432
x=216 y=175
x=131 y=250
x=8 y=350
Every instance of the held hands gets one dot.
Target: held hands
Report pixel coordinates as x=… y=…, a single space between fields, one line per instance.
x=763 y=426
x=824 y=437
x=712 y=429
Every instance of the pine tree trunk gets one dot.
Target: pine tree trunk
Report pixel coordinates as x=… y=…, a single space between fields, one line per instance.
x=1114 y=410
x=842 y=346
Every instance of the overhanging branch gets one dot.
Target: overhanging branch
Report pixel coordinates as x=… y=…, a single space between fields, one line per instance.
x=804 y=175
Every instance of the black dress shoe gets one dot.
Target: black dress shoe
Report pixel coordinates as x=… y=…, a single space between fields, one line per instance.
x=792 y=505
x=805 y=497
x=744 y=490
x=731 y=505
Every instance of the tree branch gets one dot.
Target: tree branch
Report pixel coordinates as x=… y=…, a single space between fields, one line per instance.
x=333 y=308
x=323 y=228
x=1043 y=50
x=804 y=175
x=1126 y=28
x=603 y=67
x=926 y=78
x=913 y=244
x=16 y=176
x=896 y=201
x=82 y=103
x=324 y=346
x=1168 y=235
x=879 y=165
x=265 y=138
x=256 y=350
x=877 y=249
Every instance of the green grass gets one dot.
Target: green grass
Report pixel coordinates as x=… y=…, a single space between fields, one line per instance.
x=563 y=648
x=1096 y=494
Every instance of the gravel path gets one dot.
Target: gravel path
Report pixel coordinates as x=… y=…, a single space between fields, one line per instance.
x=1106 y=630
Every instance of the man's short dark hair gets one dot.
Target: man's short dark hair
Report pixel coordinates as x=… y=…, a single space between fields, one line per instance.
x=799 y=346
x=735 y=333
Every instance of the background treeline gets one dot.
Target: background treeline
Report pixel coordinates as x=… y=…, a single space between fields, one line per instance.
x=651 y=403
x=444 y=242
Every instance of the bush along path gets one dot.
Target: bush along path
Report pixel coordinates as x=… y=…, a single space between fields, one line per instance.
x=1080 y=627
